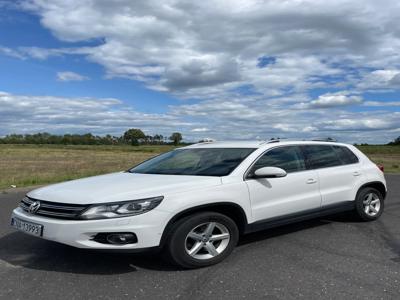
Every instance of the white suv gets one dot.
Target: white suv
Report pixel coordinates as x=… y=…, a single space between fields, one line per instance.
x=195 y=202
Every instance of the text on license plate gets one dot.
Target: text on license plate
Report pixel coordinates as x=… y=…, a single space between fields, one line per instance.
x=28 y=227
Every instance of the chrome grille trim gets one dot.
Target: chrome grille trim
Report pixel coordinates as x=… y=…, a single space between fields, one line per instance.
x=24 y=206
x=61 y=207
x=48 y=213
x=53 y=209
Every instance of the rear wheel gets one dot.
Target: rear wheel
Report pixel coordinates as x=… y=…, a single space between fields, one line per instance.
x=369 y=204
x=202 y=239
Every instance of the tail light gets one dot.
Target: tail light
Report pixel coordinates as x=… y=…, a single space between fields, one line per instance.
x=381 y=167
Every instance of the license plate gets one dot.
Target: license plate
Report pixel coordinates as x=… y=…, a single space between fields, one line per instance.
x=28 y=227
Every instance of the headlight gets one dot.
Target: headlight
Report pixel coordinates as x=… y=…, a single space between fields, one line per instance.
x=121 y=209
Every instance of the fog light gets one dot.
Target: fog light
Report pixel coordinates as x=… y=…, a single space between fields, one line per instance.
x=121 y=238
x=115 y=238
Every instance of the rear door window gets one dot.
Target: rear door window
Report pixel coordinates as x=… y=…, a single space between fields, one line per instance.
x=321 y=156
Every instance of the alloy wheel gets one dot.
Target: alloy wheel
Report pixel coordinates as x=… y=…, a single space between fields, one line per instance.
x=371 y=204
x=207 y=240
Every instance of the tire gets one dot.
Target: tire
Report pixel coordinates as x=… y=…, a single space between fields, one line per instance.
x=209 y=236
x=369 y=204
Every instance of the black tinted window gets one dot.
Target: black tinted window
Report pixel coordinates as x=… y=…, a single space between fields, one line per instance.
x=345 y=155
x=321 y=156
x=288 y=158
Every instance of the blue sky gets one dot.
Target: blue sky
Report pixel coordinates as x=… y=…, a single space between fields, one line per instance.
x=39 y=77
x=237 y=70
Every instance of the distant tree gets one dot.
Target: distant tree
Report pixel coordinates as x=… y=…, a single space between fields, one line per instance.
x=158 y=138
x=106 y=140
x=87 y=139
x=176 y=138
x=396 y=141
x=66 y=139
x=133 y=136
x=14 y=139
x=148 y=139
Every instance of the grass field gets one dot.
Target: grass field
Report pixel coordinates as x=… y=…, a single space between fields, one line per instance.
x=388 y=156
x=24 y=165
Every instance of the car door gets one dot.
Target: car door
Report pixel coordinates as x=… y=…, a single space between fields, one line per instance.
x=296 y=192
x=339 y=172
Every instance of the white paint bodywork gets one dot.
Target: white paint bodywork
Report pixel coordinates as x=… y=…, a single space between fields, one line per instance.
x=259 y=198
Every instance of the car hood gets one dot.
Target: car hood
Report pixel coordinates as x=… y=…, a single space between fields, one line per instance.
x=120 y=187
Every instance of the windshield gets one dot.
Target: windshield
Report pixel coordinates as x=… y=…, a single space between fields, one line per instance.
x=202 y=162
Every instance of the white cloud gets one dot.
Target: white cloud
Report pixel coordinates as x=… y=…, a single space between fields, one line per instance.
x=231 y=120
x=210 y=50
x=309 y=129
x=11 y=52
x=26 y=114
x=358 y=124
x=43 y=53
x=381 y=79
x=330 y=100
x=202 y=129
x=382 y=103
x=205 y=48
x=266 y=119
x=70 y=76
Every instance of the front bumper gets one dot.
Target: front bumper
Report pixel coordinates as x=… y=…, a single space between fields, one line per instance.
x=148 y=228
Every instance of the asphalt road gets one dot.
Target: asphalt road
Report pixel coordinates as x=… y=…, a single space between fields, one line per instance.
x=330 y=258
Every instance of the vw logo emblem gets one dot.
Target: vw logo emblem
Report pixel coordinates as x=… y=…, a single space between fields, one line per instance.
x=34 y=207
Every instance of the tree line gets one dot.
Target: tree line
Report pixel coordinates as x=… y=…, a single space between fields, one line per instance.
x=396 y=141
x=133 y=136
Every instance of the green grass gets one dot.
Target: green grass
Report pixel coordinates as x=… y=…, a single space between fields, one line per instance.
x=25 y=165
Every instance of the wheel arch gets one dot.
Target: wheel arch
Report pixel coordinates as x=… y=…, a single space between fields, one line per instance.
x=230 y=209
x=376 y=185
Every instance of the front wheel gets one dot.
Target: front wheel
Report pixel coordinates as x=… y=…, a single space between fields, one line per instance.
x=369 y=204
x=202 y=239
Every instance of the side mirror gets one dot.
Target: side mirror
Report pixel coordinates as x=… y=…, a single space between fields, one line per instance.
x=269 y=172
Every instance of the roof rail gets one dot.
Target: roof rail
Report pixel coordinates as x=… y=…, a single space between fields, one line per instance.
x=270 y=141
x=277 y=140
x=206 y=141
x=324 y=140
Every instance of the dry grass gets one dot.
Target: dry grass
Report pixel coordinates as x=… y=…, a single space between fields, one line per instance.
x=24 y=165
x=388 y=156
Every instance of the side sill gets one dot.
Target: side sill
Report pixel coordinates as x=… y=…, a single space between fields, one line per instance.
x=298 y=217
x=148 y=250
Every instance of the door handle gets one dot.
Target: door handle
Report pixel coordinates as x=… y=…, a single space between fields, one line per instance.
x=311 y=181
x=356 y=173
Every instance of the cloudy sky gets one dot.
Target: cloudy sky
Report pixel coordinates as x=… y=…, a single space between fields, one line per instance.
x=233 y=69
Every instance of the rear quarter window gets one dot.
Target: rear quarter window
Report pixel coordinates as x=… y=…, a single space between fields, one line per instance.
x=346 y=156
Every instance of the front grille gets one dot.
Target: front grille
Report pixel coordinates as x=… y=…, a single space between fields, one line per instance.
x=53 y=209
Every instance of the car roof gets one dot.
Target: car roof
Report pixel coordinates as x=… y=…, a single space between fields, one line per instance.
x=258 y=144
x=228 y=144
